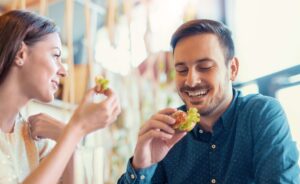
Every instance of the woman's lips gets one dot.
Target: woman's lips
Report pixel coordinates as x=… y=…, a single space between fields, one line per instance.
x=55 y=84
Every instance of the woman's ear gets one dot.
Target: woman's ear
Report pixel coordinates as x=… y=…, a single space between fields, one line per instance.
x=234 y=68
x=21 y=55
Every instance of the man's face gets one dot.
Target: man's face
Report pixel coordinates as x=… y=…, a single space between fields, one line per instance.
x=202 y=77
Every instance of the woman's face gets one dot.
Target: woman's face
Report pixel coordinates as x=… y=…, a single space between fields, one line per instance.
x=42 y=68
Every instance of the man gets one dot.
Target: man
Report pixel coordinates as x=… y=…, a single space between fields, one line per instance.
x=239 y=139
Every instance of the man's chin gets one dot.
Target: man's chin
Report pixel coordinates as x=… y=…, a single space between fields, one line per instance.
x=194 y=105
x=202 y=109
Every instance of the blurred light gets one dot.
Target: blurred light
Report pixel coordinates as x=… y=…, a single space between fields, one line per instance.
x=249 y=89
x=290 y=98
x=267 y=36
x=64 y=52
x=294 y=78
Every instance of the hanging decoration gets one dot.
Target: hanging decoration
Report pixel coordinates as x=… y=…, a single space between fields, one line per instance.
x=111 y=21
x=43 y=7
x=68 y=92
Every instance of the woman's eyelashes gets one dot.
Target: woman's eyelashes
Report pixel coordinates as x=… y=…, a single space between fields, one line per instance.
x=56 y=56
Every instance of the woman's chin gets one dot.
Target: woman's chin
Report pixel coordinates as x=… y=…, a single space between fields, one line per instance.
x=46 y=99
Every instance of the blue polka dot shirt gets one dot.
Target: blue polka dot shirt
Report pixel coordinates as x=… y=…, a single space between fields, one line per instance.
x=251 y=143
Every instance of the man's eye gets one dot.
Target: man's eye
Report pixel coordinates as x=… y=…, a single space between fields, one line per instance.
x=181 y=70
x=204 y=68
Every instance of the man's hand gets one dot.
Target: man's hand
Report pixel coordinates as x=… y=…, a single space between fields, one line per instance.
x=155 y=140
x=45 y=126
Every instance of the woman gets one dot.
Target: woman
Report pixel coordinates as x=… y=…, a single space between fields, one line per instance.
x=30 y=68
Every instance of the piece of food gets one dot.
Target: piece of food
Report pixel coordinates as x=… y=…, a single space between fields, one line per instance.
x=186 y=121
x=101 y=83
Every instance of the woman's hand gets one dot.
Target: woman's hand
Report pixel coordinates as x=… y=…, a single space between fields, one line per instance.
x=87 y=117
x=45 y=126
x=90 y=116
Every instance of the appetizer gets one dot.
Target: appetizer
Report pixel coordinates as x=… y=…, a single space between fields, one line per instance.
x=101 y=83
x=186 y=121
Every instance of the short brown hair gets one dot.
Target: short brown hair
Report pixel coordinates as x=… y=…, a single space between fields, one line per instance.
x=200 y=26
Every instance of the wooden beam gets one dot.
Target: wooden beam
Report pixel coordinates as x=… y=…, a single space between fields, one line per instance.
x=28 y=4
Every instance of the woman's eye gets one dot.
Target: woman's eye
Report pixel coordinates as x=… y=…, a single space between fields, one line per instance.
x=56 y=56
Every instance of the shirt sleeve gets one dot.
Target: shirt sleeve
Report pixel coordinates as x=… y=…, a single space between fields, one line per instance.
x=275 y=154
x=140 y=176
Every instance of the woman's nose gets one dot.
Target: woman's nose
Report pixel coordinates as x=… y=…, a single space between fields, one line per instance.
x=62 y=70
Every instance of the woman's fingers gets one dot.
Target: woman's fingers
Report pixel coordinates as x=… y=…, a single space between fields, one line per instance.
x=88 y=96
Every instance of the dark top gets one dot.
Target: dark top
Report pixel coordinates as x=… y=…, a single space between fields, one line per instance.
x=251 y=143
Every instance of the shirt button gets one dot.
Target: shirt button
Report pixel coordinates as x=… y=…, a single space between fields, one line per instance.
x=201 y=131
x=132 y=176
x=213 y=146
x=213 y=181
x=143 y=177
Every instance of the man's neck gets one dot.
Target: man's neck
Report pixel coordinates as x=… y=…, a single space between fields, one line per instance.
x=208 y=121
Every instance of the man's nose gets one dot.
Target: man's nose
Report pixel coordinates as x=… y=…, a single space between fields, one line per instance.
x=193 y=78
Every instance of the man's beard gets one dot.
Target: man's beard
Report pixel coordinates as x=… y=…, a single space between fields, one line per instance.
x=211 y=106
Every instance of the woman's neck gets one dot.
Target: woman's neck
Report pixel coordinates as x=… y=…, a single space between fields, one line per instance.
x=12 y=100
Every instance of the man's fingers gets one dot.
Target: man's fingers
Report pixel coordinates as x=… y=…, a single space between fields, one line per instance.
x=167 y=111
x=159 y=121
x=152 y=134
x=177 y=137
x=164 y=118
x=157 y=126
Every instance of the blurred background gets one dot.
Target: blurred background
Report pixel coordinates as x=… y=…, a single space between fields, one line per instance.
x=127 y=41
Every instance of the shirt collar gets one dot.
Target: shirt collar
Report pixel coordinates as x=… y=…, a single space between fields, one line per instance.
x=227 y=117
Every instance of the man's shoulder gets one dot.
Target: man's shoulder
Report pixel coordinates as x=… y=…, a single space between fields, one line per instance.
x=257 y=102
x=259 y=108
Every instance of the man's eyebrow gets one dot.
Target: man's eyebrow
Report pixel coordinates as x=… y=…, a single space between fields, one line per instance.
x=206 y=59
x=197 y=61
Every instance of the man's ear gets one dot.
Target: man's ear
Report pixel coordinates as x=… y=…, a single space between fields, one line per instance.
x=21 y=55
x=234 y=68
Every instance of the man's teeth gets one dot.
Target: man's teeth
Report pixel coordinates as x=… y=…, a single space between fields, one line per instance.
x=197 y=93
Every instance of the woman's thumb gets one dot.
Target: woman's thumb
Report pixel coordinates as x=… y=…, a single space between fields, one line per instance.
x=88 y=96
